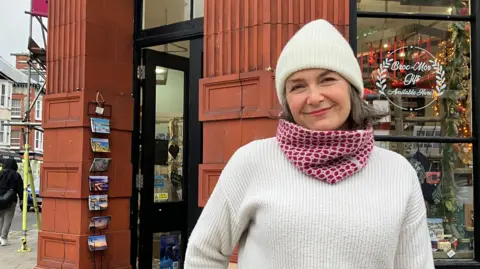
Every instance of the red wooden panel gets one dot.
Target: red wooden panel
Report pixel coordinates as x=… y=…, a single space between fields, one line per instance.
x=234 y=257
x=220 y=140
x=208 y=178
x=249 y=95
x=57 y=250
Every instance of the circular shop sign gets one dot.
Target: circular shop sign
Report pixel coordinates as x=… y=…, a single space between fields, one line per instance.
x=422 y=76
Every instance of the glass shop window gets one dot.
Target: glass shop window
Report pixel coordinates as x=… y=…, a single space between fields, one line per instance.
x=441 y=7
x=445 y=172
x=419 y=71
x=198 y=8
x=159 y=13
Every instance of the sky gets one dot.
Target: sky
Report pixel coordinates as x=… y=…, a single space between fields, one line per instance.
x=14 y=24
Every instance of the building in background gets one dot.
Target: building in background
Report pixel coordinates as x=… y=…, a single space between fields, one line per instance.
x=19 y=107
x=22 y=65
x=11 y=80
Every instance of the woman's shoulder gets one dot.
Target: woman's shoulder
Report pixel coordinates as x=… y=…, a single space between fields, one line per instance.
x=246 y=166
x=256 y=150
x=388 y=156
x=261 y=145
x=393 y=162
x=252 y=156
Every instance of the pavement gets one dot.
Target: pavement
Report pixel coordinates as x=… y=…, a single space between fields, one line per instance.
x=10 y=258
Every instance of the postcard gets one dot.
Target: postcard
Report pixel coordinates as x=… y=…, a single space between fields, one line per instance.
x=97 y=202
x=100 y=164
x=100 y=223
x=98 y=183
x=170 y=249
x=435 y=227
x=100 y=145
x=97 y=242
x=100 y=126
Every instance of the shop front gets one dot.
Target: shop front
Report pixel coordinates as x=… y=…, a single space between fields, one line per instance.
x=418 y=60
x=203 y=86
x=167 y=133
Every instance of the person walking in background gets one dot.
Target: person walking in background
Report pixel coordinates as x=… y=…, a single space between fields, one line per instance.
x=9 y=179
x=320 y=194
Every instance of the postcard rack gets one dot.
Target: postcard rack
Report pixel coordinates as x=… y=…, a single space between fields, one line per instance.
x=98 y=179
x=95 y=106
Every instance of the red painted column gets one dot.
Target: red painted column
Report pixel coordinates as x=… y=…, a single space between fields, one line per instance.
x=238 y=102
x=89 y=50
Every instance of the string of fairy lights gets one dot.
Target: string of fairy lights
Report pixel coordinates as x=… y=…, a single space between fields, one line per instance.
x=444 y=57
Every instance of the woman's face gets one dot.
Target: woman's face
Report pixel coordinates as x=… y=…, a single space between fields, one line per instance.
x=318 y=99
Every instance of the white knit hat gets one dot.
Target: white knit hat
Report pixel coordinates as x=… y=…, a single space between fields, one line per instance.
x=317 y=45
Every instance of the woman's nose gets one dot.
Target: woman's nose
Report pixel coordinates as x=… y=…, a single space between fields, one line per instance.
x=315 y=96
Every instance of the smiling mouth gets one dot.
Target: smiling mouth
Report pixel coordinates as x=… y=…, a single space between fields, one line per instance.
x=320 y=111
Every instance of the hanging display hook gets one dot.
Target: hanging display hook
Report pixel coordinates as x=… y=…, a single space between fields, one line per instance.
x=100 y=101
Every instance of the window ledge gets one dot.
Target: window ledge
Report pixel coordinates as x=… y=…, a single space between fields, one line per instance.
x=457 y=264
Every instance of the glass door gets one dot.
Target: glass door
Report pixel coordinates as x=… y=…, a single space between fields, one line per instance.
x=163 y=203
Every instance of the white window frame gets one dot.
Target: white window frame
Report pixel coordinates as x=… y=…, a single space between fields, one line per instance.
x=17 y=111
x=38 y=109
x=4 y=134
x=15 y=144
x=3 y=94
x=6 y=95
x=38 y=141
x=9 y=96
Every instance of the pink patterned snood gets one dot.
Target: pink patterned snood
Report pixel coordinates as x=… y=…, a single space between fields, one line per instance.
x=330 y=156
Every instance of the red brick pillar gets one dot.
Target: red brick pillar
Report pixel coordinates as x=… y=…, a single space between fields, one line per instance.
x=243 y=39
x=89 y=49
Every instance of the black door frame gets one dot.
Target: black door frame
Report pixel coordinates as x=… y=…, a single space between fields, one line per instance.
x=195 y=134
x=189 y=30
x=167 y=216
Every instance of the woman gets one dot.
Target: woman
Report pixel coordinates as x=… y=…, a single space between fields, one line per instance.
x=319 y=194
x=9 y=179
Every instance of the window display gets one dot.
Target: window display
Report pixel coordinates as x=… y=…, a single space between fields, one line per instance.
x=167 y=250
x=419 y=71
x=446 y=178
x=169 y=125
x=168 y=173
x=440 y=7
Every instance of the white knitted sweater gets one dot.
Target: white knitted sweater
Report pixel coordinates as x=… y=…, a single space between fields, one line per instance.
x=283 y=219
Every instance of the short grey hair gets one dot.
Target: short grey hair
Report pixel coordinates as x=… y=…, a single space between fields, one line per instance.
x=362 y=114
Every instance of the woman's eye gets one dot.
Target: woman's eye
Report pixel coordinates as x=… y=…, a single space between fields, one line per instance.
x=296 y=87
x=328 y=79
